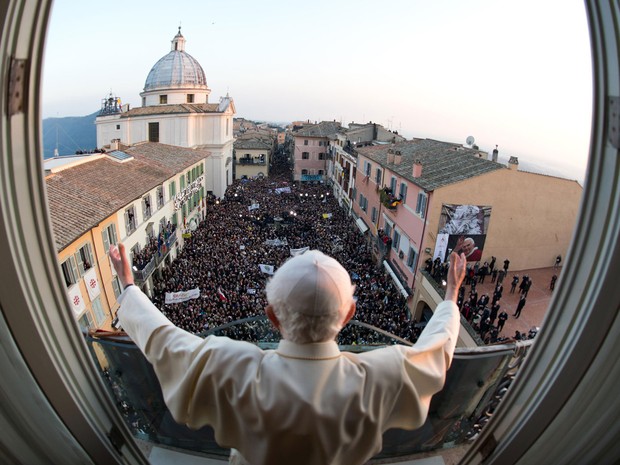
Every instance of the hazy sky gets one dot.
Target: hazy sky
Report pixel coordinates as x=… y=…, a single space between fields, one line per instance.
x=512 y=73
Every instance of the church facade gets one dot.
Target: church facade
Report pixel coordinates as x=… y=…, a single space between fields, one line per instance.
x=176 y=111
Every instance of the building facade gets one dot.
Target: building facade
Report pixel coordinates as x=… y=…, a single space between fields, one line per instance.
x=310 y=150
x=146 y=196
x=420 y=197
x=176 y=111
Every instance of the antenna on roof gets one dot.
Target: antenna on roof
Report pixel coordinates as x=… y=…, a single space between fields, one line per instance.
x=470 y=140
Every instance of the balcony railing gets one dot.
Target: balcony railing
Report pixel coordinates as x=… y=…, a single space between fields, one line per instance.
x=141 y=275
x=388 y=199
x=475 y=384
x=250 y=161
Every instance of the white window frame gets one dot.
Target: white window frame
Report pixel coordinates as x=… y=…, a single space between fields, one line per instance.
x=420 y=207
x=402 y=192
x=80 y=261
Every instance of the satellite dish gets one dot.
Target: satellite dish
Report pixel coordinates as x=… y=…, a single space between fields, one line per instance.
x=470 y=140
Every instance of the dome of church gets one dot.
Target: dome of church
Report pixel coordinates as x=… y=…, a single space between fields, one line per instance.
x=177 y=69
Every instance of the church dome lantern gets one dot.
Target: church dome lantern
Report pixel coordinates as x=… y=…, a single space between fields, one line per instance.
x=176 y=78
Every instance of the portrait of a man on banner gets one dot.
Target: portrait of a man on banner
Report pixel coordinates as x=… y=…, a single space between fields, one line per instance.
x=465 y=227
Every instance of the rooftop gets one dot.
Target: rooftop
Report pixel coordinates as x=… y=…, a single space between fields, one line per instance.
x=443 y=163
x=322 y=129
x=172 y=109
x=82 y=196
x=252 y=143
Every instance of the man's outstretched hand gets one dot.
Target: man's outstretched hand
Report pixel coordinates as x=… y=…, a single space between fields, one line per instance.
x=121 y=264
x=456 y=274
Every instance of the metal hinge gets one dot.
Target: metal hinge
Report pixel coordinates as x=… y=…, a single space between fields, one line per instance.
x=613 y=121
x=17 y=87
x=488 y=447
x=116 y=438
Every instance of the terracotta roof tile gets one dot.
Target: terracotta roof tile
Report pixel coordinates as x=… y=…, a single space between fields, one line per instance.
x=82 y=196
x=443 y=163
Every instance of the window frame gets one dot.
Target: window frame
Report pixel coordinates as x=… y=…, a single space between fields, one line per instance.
x=528 y=416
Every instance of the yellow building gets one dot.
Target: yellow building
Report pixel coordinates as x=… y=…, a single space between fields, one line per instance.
x=137 y=195
x=252 y=157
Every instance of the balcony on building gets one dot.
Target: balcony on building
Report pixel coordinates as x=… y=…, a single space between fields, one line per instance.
x=388 y=199
x=251 y=161
x=475 y=384
x=160 y=248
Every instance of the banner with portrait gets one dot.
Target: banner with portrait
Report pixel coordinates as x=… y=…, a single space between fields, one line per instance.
x=462 y=228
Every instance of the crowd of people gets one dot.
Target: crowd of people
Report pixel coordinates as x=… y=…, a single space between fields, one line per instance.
x=154 y=246
x=483 y=312
x=258 y=222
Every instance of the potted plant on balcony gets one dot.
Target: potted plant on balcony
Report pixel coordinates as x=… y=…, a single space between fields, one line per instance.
x=388 y=199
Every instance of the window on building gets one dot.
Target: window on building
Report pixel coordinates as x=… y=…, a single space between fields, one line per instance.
x=108 y=234
x=363 y=202
x=135 y=250
x=305 y=156
x=420 y=208
x=174 y=219
x=84 y=259
x=306 y=142
x=146 y=206
x=373 y=215
x=304 y=172
x=153 y=132
x=69 y=271
x=321 y=172
x=388 y=229
x=411 y=258
x=393 y=185
x=320 y=143
x=163 y=99
x=143 y=101
x=98 y=311
x=116 y=286
x=150 y=232
x=86 y=322
x=182 y=183
x=118 y=126
x=321 y=156
x=172 y=189
x=396 y=240
x=130 y=220
x=403 y=191
x=160 y=197
x=378 y=176
x=190 y=98
x=227 y=123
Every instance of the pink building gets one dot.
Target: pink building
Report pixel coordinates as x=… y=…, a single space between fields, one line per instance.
x=311 y=147
x=421 y=199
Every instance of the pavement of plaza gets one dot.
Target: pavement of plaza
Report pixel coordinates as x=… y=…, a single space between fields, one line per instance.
x=537 y=300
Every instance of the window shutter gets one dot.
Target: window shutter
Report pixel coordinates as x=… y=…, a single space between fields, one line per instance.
x=106 y=241
x=112 y=230
x=80 y=264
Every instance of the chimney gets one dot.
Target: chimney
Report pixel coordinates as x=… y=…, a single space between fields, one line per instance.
x=496 y=153
x=390 y=157
x=513 y=163
x=398 y=157
x=417 y=168
x=115 y=144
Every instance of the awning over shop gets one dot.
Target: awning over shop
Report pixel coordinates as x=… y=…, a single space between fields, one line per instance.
x=362 y=225
x=397 y=282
